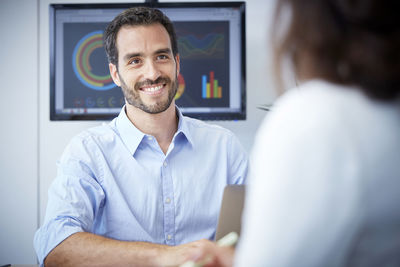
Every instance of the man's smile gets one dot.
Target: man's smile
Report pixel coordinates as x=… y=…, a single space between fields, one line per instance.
x=152 y=89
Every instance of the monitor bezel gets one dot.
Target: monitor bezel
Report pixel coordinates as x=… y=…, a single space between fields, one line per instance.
x=240 y=5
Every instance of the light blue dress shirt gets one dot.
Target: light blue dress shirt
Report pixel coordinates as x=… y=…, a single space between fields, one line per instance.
x=115 y=181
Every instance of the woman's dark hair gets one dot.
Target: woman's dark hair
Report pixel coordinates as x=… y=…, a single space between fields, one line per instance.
x=352 y=42
x=134 y=17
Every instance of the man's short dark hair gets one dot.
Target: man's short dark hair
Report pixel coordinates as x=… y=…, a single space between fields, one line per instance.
x=136 y=16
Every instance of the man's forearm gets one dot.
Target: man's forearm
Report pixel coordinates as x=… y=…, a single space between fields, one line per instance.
x=86 y=249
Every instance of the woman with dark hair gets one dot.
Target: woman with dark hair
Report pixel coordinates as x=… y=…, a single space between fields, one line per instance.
x=325 y=183
x=324 y=188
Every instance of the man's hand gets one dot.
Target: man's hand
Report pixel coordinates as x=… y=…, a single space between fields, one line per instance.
x=209 y=254
x=191 y=251
x=223 y=257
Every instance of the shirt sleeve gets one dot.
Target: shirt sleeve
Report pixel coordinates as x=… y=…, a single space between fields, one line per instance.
x=239 y=162
x=74 y=198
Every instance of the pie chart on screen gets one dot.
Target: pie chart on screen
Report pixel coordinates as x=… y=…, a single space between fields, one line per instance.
x=87 y=46
x=181 y=86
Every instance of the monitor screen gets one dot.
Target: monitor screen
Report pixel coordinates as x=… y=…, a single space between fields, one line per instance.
x=211 y=46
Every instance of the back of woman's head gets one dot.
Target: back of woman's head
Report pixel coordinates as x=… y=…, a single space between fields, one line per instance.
x=354 y=42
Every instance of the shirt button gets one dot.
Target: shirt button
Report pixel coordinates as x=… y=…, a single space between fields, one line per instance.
x=167 y=200
x=169 y=237
x=150 y=138
x=165 y=164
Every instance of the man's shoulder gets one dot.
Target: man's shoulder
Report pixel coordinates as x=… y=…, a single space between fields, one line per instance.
x=96 y=135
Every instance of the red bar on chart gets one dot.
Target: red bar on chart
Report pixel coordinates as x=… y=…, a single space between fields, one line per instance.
x=211 y=84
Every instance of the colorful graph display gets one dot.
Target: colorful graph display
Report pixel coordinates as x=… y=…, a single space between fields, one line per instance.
x=203 y=81
x=210 y=89
x=204 y=55
x=210 y=45
x=81 y=62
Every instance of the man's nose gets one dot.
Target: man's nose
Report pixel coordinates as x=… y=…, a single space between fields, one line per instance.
x=151 y=71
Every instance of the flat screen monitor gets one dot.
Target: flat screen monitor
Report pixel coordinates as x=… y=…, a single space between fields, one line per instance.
x=211 y=45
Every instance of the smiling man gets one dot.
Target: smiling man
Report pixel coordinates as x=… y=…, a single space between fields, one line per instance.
x=152 y=71
x=145 y=189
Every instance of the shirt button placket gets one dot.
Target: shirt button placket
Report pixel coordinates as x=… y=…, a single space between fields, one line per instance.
x=169 y=209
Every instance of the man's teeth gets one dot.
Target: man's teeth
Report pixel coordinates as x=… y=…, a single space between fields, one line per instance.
x=152 y=89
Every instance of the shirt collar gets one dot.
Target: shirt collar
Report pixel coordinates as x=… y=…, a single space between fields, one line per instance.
x=132 y=136
x=183 y=127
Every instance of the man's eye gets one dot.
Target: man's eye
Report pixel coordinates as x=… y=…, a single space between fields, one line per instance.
x=134 y=61
x=162 y=57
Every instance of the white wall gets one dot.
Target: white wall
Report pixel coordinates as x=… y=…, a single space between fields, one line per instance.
x=31 y=143
x=19 y=130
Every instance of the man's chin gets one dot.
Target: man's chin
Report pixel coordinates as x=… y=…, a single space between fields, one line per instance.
x=152 y=109
x=156 y=108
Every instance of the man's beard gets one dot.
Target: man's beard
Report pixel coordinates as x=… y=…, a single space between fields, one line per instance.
x=132 y=95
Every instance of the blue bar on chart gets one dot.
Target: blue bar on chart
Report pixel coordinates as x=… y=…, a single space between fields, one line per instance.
x=204 y=86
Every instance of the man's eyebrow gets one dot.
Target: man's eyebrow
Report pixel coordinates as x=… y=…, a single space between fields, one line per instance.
x=159 y=51
x=131 y=55
x=163 y=51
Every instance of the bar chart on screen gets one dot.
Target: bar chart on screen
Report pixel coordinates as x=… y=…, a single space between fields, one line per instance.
x=210 y=86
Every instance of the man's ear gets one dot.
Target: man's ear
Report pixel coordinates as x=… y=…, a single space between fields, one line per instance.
x=114 y=74
x=178 y=64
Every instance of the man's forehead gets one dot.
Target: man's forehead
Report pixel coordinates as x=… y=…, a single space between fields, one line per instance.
x=139 y=35
x=156 y=28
